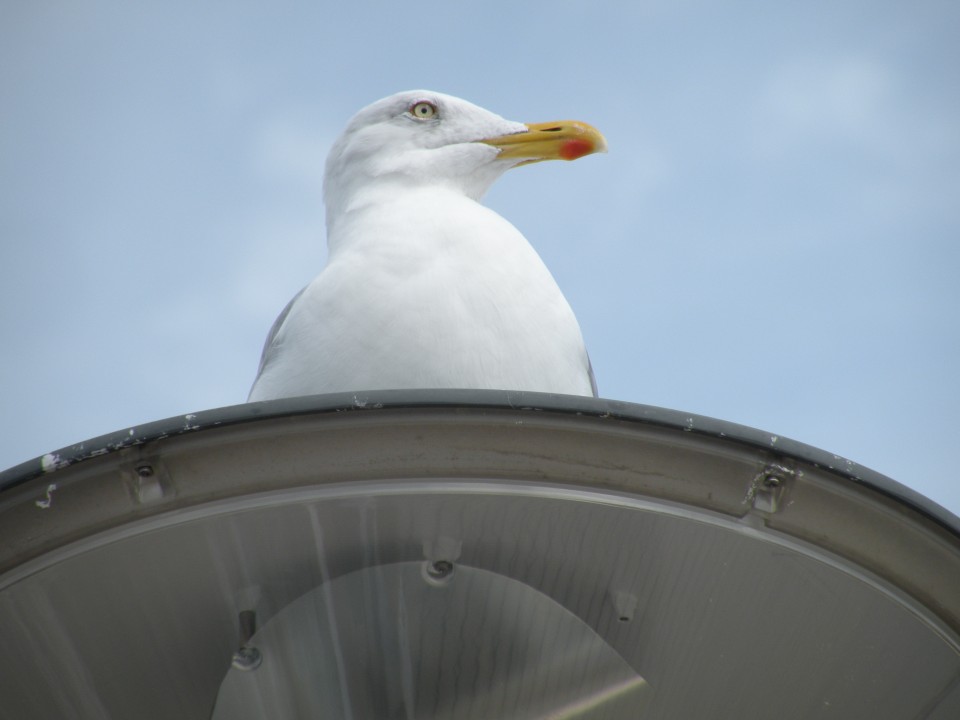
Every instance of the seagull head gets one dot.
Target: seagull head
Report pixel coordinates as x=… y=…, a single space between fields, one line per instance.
x=422 y=138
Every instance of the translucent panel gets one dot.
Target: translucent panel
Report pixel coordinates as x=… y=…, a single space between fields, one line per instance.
x=555 y=600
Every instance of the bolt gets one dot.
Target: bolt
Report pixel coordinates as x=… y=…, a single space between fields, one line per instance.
x=440 y=569
x=247 y=658
x=145 y=471
x=772 y=481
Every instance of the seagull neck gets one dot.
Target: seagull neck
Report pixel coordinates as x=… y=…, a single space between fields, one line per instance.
x=368 y=200
x=369 y=213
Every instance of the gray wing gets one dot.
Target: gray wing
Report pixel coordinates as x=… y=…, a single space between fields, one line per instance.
x=593 y=378
x=271 y=336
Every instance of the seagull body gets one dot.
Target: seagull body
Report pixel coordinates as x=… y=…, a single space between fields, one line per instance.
x=424 y=287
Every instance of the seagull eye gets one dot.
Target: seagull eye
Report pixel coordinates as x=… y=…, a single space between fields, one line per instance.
x=423 y=110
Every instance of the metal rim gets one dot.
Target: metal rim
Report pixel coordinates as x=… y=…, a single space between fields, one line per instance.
x=373 y=401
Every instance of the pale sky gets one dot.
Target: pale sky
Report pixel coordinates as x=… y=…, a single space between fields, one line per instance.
x=773 y=239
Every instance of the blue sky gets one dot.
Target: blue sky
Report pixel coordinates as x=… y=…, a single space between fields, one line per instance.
x=773 y=239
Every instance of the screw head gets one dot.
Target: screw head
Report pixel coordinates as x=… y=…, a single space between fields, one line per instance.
x=440 y=569
x=145 y=471
x=437 y=572
x=247 y=658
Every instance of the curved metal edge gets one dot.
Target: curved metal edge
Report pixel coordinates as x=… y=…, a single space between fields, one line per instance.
x=371 y=401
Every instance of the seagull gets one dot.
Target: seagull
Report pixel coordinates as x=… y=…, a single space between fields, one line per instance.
x=425 y=287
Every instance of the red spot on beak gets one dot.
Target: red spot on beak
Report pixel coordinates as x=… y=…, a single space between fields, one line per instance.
x=575 y=148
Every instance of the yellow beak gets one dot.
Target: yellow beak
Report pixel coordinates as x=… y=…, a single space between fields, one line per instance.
x=563 y=140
